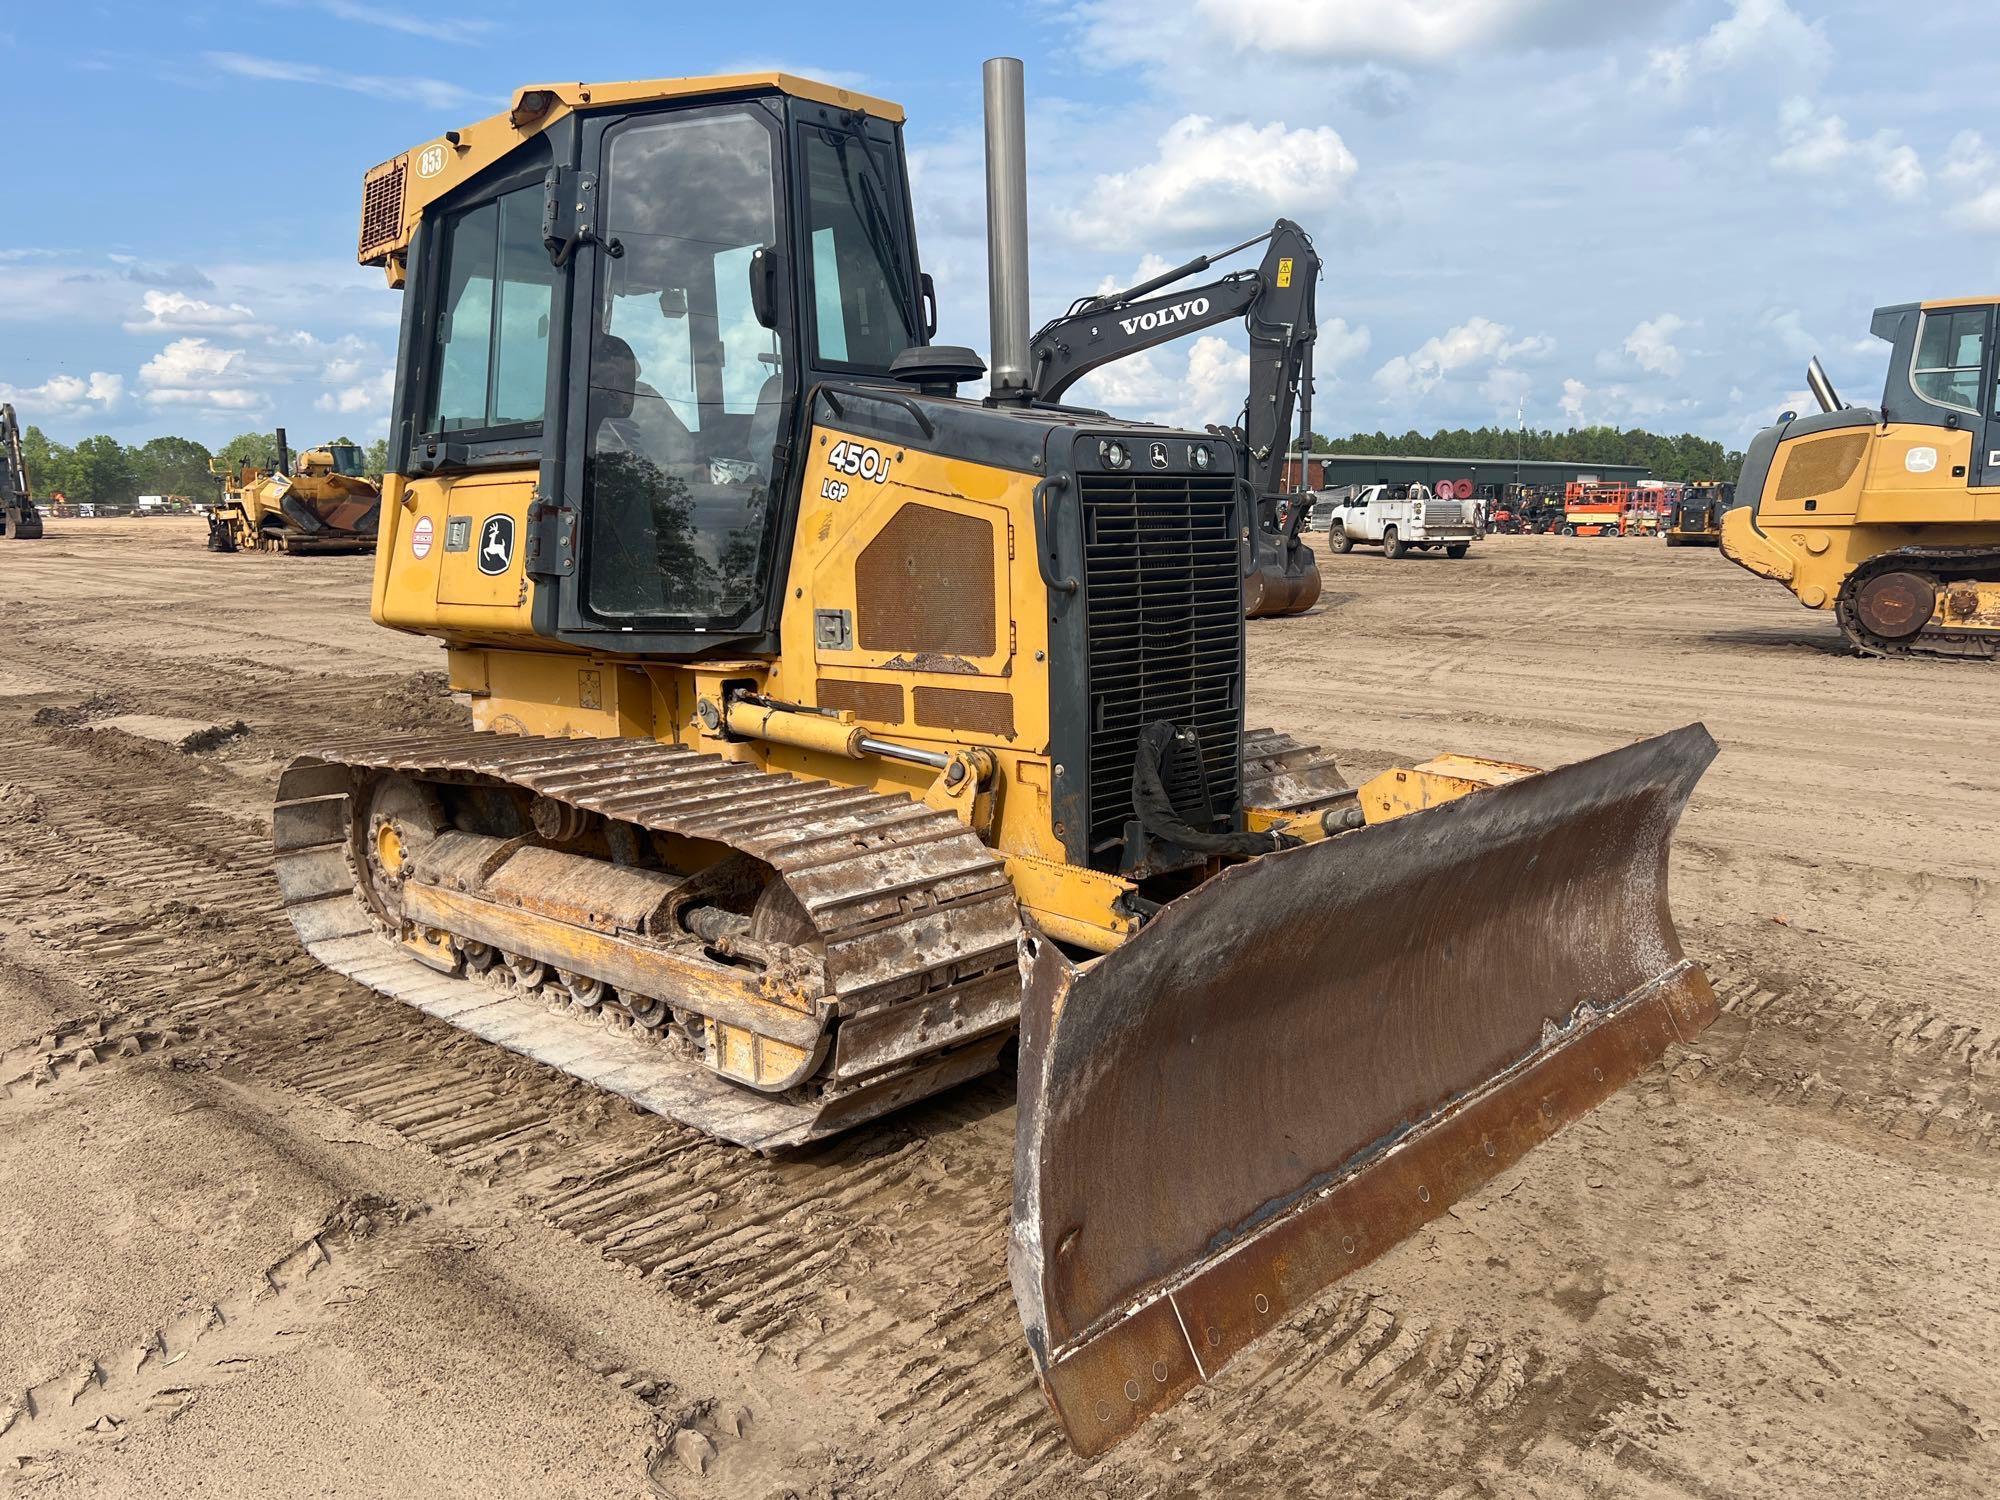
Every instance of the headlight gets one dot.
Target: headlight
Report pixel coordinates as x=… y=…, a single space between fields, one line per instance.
x=1200 y=456
x=1115 y=454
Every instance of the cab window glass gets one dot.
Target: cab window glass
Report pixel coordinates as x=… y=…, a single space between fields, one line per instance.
x=860 y=273
x=493 y=333
x=686 y=383
x=1951 y=351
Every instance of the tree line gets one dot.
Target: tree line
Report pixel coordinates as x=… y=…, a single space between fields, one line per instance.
x=103 y=471
x=1680 y=457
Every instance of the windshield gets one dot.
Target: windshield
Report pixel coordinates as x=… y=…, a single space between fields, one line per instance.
x=861 y=283
x=686 y=384
x=347 y=460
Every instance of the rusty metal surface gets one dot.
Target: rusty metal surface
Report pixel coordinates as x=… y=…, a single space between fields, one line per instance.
x=1106 y=1386
x=906 y=906
x=1302 y=1015
x=925 y=583
x=877 y=702
x=966 y=708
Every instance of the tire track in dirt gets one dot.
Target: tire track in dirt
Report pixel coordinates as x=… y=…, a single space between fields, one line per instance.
x=881 y=1252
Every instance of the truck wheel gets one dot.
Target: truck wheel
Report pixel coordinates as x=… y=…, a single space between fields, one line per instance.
x=1392 y=544
x=1338 y=539
x=1457 y=549
x=1569 y=531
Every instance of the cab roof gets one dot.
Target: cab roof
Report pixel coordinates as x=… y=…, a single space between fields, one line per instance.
x=395 y=193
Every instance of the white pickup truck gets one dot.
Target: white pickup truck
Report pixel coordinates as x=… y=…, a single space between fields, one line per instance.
x=1400 y=517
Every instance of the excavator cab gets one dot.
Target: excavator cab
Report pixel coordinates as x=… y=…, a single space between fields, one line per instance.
x=1890 y=515
x=833 y=732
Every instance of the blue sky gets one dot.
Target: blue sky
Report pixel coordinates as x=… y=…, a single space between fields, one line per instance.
x=1647 y=212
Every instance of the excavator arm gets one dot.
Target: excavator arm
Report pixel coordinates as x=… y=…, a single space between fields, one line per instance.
x=1276 y=305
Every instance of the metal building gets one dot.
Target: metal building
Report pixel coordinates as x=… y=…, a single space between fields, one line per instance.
x=1331 y=470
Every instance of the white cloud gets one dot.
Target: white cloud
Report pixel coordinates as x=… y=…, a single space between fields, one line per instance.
x=177 y=312
x=369 y=396
x=1970 y=167
x=1575 y=393
x=1474 y=344
x=1651 y=344
x=1423 y=32
x=1208 y=385
x=1209 y=178
x=66 y=395
x=194 y=372
x=455 y=31
x=1818 y=145
x=1757 y=34
x=1338 y=344
x=432 y=93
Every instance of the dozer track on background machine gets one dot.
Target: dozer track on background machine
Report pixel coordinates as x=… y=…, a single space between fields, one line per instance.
x=833 y=735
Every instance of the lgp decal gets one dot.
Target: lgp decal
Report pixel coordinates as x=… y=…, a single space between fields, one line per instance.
x=496 y=544
x=430 y=161
x=420 y=538
x=1920 y=460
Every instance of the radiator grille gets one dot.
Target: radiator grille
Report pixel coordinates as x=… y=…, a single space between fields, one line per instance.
x=381 y=210
x=1164 y=606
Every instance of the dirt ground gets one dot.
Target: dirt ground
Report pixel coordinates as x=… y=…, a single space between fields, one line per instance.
x=265 y=1232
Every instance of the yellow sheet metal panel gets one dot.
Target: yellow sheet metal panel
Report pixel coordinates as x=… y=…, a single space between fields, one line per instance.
x=873 y=513
x=451 y=555
x=1917 y=475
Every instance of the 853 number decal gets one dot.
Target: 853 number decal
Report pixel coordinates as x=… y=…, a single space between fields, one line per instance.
x=859 y=462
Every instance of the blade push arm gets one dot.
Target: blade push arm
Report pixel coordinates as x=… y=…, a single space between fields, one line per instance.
x=1275 y=302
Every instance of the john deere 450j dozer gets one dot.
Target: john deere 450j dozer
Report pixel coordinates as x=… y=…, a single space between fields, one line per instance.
x=831 y=731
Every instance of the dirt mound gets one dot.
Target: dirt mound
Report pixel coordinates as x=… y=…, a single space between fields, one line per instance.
x=422 y=702
x=74 y=715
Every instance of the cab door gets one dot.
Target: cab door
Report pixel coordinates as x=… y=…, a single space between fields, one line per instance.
x=1986 y=435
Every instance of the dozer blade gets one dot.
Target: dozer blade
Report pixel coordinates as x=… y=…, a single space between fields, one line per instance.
x=1299 y=1063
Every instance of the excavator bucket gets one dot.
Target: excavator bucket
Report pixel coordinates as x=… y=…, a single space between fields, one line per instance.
x=1283 y=577
x=1316 y=1052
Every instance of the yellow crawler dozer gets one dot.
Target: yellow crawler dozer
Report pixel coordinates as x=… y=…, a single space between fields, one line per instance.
x=834 y=734
x=1890 y=516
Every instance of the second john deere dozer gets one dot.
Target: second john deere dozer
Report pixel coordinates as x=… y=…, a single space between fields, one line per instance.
x=831 y=730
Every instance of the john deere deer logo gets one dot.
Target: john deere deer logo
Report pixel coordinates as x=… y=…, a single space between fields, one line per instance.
x=496 y=544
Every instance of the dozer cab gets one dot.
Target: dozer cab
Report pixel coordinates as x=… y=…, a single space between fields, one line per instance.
x=319 y=500
x=1890 y=516
x=833 y=733
x=20 y=519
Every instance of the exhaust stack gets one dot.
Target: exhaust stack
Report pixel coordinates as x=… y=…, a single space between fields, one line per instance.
x=284 y=454
x=1822 y=388
x=1007 y=226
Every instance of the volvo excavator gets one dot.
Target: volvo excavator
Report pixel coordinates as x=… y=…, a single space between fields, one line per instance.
x=20 y=520
x=1890 y=515
x=320 y=500
x=836 y=738
x=1276 y=304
